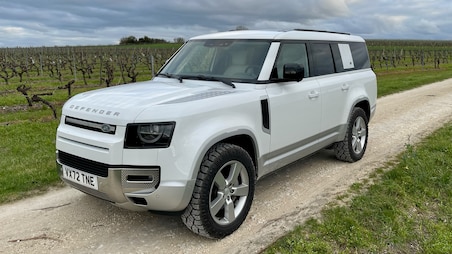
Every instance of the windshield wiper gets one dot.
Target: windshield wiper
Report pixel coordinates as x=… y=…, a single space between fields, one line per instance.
x=199 y=77
x=169 y=75
x=210 y=78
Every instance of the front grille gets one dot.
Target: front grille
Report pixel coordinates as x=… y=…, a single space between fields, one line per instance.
x=90 y=125
x=89 y=166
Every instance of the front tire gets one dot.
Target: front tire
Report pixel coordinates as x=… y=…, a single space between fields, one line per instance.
x=354 y=145
x=223 y=192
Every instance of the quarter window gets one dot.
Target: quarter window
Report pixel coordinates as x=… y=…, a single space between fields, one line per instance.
x=360 y=55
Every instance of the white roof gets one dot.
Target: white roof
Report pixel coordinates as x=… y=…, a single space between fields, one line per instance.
x=288 y=35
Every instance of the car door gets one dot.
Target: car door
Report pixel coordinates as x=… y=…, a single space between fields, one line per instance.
x=334 y=83
x=333 y=68
x=294 y=107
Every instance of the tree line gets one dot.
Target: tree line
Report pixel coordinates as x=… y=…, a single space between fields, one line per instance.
x=128 y=40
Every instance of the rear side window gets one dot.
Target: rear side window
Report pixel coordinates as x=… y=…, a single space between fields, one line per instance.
x=346 y=56
x=323 y=59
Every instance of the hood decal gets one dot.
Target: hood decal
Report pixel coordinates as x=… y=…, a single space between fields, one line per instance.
x=200 y=96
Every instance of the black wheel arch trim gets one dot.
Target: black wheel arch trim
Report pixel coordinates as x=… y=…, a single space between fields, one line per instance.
x=227 y=138
x=364 y=104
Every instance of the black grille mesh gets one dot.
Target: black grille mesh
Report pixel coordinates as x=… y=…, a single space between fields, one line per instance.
x=89 y=166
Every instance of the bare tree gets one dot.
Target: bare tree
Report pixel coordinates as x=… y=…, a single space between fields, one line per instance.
x=109 y=71
x=6 y=72
x=37 y=98
x=68 y=86
x=24 y=90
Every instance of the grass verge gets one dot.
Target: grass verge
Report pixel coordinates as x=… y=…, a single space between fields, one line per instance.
x=398 y=80
x=407 y=210
x=27 y=166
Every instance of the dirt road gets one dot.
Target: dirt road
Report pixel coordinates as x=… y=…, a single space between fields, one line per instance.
x=68 y=221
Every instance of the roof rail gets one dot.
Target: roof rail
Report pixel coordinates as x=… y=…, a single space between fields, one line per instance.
x=321 y=31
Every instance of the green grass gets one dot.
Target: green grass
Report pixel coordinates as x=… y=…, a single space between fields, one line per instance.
x=398 y=80
x=27 y=165
x=407 y=210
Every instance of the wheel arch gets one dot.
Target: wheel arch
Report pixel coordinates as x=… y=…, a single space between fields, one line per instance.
x=364 y=105
x=242 y=138
x=247 y=143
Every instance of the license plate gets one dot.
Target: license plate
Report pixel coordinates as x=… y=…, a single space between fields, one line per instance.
x=80 y=177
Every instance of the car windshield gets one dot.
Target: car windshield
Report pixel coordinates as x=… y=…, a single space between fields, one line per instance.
x=234 y=60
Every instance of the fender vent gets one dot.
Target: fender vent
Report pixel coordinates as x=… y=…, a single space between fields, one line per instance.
x=265 y=114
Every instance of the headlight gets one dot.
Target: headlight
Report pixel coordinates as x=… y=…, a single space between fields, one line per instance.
x=149 y=135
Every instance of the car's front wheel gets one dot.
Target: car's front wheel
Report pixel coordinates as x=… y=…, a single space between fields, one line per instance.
x=223 y=192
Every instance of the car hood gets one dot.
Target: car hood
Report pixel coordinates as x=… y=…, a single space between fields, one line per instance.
x=122 y=104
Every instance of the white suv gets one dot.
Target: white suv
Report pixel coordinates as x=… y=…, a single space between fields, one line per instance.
x=225 y=110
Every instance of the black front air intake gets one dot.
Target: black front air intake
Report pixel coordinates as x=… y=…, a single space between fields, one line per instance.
x=88 y=166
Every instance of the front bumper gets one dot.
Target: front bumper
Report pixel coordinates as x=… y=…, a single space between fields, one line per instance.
x=134 y=188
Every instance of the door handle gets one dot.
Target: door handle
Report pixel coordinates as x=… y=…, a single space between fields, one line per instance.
x=313 y=95
x=345 y=87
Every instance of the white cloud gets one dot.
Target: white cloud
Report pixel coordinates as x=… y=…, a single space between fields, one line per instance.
x=426 y=26
x=12 y=30
x=387 y=23
x=77 y=22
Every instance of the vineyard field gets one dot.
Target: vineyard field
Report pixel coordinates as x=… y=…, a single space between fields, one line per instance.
x=35 y=83
x=406 y=54
x=51 y=75
x=57 y=73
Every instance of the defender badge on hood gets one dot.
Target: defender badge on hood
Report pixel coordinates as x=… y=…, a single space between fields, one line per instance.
x=95 y=110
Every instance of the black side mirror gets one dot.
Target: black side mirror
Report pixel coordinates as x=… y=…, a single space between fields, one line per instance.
x=293 y=72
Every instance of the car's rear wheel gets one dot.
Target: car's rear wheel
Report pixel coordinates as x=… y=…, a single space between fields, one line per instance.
x=354 y=145
x=223 y=192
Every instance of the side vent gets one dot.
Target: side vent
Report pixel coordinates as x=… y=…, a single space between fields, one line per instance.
x=265 y=115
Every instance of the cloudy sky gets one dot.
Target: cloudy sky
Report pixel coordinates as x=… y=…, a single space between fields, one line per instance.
x=98 y=22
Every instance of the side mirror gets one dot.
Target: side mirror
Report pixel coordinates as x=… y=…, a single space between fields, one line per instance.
x=293 y=72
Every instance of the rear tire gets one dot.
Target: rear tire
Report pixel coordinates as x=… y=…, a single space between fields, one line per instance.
x=354 y=145
x=223 y=192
